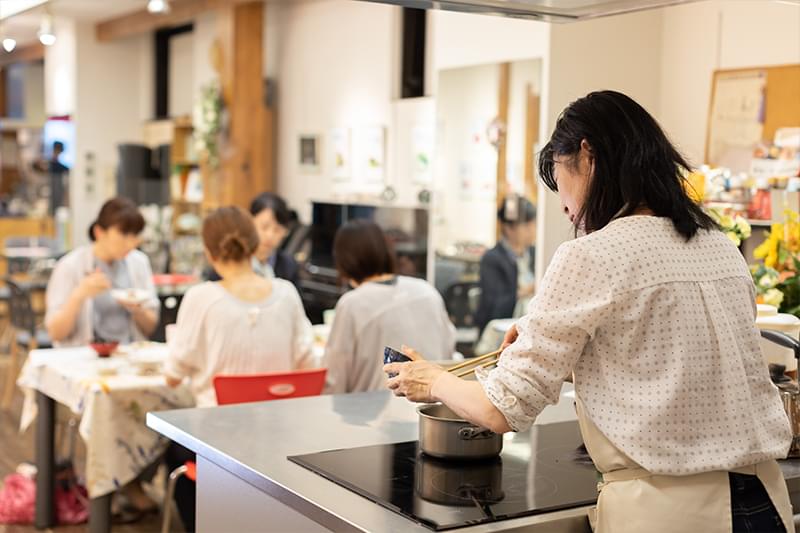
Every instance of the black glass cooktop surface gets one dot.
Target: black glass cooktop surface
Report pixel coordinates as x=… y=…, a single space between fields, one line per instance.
x=544 y=472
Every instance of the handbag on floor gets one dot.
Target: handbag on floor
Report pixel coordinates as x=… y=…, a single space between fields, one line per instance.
x=18 y=498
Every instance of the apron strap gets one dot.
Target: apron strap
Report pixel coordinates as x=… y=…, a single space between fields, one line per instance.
x=625 y=474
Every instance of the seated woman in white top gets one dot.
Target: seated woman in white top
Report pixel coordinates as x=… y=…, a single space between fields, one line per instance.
x=80 y=307
x=242 y=324
x=382 y=310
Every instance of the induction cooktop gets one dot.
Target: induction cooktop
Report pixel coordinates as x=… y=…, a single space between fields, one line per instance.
x=546 y=472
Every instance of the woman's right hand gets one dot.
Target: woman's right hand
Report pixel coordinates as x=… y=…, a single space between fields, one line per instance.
x=414 y=379
x=93 y=284
x=510 y=337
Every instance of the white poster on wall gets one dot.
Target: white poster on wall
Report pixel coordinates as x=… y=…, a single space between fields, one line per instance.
x=737 y=118
x=340 y=164
x=370 y=154
x=423 y=141
x=477 y=169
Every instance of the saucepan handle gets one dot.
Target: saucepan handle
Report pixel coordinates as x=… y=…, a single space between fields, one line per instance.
x=782 y=339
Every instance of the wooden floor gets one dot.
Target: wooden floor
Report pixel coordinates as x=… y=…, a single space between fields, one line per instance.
x=16 y=448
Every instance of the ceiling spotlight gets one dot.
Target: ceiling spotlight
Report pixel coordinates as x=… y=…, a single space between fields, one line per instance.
x=9 y=44
x=45 y=33
x=158 y=6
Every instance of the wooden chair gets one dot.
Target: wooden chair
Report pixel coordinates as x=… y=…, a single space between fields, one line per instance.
x=25 y=335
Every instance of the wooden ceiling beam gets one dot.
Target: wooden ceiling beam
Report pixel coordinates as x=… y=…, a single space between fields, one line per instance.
x=23 y=54
x=142 y=21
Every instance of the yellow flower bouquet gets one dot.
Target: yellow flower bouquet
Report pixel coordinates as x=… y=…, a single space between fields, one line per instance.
x=776 y=279
x=735 y=227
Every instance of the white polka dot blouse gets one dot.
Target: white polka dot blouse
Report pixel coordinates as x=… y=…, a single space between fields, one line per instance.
x=659 y=333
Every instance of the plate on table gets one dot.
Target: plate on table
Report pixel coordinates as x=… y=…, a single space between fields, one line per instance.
x=147 y=364
x=130 y=296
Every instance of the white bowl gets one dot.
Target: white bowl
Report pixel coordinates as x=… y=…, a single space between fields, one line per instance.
x=130 y=296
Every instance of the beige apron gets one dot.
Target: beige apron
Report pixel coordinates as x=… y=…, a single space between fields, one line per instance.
x=632 y=500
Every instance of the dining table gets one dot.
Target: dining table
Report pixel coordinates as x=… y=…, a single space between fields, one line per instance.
x=111 y=397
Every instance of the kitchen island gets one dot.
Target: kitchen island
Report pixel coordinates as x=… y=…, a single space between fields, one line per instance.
x=247 y=483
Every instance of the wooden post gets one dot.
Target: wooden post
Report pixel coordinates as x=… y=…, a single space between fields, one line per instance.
x=246 y=158
x=531 y=138
x=502 y=118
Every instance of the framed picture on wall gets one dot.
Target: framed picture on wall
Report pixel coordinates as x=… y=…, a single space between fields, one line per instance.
x=309 y=153
x=340 y=164
x=371 y=154
x=423 y=140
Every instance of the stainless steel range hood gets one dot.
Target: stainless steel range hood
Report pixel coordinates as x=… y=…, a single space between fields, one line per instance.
x=546 y=10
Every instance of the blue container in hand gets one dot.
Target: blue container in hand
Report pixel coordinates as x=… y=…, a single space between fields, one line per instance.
x=390 y=355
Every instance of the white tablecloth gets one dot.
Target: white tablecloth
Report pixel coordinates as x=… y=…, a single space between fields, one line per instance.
x=112 y=397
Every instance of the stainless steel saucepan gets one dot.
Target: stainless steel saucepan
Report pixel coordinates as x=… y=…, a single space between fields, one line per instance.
x=445 y=435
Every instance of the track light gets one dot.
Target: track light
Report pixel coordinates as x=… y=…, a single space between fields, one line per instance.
x=45 y=33
x=158 y=6
x=9 y=44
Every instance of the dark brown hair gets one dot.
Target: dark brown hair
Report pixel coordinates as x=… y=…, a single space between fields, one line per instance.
x=360 y=250
x=273 y=202
x=120 y=213
x=229 y=234
x=635 y=164
x=516 y=209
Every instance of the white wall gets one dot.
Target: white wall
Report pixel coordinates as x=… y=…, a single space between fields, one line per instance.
x=466 y=163
x=700 y=38
x=34 y=93
x=181 y=74
x=204 y=33
x=107 y=112
x=524 y=75
x=146 y=88
x=463 y=39
x=60 y=68
x=335 y=72
x=273 y=22
x=621 y=53
x=345 y=75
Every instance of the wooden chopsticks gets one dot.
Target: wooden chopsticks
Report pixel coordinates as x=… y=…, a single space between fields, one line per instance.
x=482 y=361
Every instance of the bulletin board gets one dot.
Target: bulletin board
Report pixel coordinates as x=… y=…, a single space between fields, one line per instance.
x=747 y=106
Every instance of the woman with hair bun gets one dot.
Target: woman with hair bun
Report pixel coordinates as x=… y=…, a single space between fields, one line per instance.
x=242 y=324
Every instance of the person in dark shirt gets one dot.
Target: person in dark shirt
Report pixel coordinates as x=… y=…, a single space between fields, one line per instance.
x=56 y=174
x=507 y=270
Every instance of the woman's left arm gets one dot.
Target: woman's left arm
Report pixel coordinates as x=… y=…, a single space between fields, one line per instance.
x=563 y=317
x=422 y=381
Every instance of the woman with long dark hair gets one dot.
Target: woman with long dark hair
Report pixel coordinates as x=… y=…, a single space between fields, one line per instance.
x=651 y=310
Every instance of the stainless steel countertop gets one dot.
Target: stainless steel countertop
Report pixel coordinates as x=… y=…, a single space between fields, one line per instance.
x=253 y=440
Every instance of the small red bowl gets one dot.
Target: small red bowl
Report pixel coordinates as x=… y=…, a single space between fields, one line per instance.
x=104 y=349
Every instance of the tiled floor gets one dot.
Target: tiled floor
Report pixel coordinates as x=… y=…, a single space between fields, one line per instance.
x=16 y=448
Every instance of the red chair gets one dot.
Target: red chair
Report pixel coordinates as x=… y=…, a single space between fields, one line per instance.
x=244 y=389
x=263 y=387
